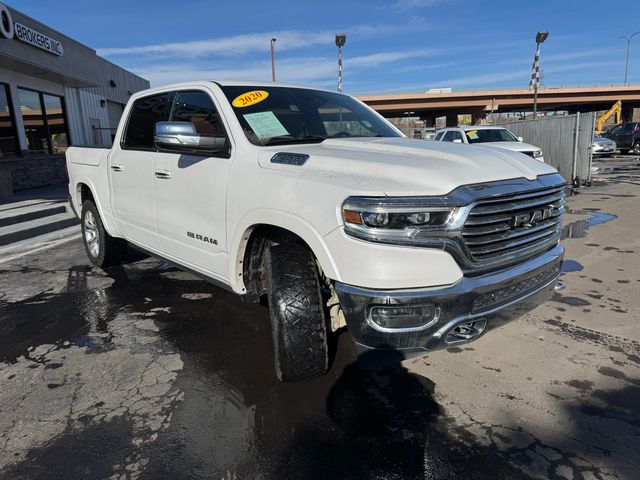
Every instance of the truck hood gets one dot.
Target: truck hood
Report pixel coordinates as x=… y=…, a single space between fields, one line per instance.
x=401 y=166
x=513 y=146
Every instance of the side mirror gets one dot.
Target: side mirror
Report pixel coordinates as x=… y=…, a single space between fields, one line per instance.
x=181 y=137
x=520 y=139
x=457 y=140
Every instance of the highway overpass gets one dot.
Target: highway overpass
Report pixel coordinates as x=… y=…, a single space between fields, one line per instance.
x=478 y=103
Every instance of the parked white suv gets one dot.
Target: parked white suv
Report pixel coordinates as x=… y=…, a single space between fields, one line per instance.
x=488 y=136
x=311 y=200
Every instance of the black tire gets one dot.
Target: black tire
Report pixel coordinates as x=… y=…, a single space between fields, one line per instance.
x=298 y=321
x=636 y=147
x=106 y=251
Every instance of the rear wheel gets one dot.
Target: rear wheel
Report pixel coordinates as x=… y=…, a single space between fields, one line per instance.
x=296 y=307
x=102 y=249
x=636 y=147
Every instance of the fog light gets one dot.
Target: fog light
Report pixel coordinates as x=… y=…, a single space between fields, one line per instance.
x=405 y=316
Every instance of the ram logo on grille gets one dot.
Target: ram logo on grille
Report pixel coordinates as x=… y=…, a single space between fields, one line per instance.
x=529 y=219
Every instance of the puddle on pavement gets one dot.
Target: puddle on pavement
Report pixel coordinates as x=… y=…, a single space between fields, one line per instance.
x=571 y=266
x=579 y=228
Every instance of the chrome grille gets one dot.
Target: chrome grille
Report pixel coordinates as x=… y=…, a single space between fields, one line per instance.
x=491 y=233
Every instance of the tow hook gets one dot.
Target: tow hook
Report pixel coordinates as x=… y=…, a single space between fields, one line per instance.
x=559 y=286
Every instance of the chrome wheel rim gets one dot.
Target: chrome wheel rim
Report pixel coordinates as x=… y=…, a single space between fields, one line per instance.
x=91 y=234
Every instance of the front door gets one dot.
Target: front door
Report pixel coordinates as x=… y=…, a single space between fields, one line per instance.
x=191 y=192
x=131 y=167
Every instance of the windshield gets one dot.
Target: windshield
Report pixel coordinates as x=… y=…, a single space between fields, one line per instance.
x=280 y=115
x=490 y=135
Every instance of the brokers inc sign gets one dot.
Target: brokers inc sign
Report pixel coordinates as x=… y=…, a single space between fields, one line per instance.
x=10 y=30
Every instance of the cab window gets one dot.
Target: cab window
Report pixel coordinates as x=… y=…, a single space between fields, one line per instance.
x=452 y=135
x=198 y=108
x=144 y=114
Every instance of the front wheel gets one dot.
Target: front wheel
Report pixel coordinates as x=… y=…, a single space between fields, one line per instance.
x=636 y=147
x=102 y=249
x=298 y=321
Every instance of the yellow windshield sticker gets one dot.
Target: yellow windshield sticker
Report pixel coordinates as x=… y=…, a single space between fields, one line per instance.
x=249 y=98
x=471 y=132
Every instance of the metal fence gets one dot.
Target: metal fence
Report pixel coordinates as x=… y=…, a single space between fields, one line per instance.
x=565 y=141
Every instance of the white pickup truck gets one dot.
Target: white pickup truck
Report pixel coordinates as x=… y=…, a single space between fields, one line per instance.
x=312 y=201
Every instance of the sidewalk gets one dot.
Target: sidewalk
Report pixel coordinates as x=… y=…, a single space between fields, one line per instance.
x=35 y=218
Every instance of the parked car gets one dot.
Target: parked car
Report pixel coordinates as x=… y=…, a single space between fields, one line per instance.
x=626 y=136
x=310 y=200
x=603 y=146
x=489 y=136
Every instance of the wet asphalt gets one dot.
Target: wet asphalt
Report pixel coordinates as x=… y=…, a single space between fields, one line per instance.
x=216 y=410
x=144 y=371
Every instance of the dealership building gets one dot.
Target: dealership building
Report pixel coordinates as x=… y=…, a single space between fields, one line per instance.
x=54 y=92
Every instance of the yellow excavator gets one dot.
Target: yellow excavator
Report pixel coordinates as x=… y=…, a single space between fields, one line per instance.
x=617 y=110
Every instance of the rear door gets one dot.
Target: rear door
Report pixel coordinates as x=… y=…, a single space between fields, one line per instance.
x=131 y=168
x=191 y=191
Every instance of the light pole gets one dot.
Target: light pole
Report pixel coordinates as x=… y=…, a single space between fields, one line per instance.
x=407 y=115
x=273 y=59
x=626 y=64
x=540 y=38
x=341 y=39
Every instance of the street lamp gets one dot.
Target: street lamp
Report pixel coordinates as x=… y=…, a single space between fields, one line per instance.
x=407 y=116
x=540 y=38
x=341 y=39
x=273 y=59
x=626 y=65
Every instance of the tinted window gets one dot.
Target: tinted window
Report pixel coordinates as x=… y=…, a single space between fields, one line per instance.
x=451 y=135
x=145 y=113
x=56 y=122
x=628 y=127
x=439 y=136
x=33 y=120
x=8 y=139
x=197 y=108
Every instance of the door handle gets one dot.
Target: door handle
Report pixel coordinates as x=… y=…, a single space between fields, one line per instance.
x=116 y=167
x=163 y=174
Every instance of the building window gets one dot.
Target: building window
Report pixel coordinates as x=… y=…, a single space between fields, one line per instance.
x=8 y=139
x=45 y=125
x=59 y=139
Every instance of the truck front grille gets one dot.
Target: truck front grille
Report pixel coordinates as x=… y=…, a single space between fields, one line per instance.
x=513 y=226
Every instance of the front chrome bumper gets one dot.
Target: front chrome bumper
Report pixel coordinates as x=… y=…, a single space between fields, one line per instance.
x=486 y=301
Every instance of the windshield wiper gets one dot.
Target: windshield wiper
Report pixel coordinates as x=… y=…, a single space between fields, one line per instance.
x=288 y=139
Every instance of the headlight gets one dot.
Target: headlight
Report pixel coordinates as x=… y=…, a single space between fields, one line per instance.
x=537 y=153
x=396 y=220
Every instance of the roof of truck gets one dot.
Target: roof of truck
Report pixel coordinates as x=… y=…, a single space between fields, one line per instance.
x=222 y=83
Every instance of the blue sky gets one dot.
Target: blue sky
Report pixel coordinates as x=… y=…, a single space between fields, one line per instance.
x=397 y=45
